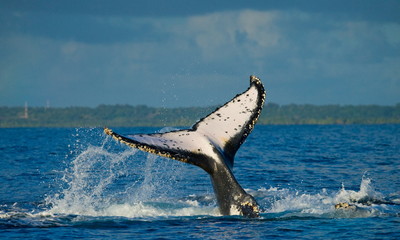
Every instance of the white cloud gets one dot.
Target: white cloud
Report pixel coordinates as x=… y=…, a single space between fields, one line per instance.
x=227 y=34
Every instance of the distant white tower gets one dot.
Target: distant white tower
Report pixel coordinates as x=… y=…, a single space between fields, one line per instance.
x=26 y=116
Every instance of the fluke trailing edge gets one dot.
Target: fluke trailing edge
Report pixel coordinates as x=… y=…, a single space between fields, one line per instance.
x=212 y=144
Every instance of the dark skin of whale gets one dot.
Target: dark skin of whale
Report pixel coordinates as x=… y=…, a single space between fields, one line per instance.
x=211 y=144
x=230 y=194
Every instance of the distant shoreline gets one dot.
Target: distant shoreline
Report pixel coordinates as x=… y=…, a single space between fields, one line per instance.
x=144 y=116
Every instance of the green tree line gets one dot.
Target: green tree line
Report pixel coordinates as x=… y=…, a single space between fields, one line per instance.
x=131 y=116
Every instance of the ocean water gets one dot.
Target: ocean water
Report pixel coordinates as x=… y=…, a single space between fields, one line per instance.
x=79 y=183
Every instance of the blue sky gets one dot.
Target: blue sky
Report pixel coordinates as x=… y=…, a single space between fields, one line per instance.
x=198 y=53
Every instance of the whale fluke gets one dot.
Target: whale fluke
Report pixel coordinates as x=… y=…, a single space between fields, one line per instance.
x=211 y=144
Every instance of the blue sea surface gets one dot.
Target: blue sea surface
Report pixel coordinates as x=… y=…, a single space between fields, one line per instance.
x=79 y=183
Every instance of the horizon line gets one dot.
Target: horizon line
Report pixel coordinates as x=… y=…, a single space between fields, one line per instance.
x=26 y=104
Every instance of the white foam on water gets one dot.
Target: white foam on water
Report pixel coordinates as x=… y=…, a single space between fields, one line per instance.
x=160 y=209
x=367 y=202
x=103 y=183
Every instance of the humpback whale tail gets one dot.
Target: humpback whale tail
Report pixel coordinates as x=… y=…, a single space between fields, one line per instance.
x=211 y=144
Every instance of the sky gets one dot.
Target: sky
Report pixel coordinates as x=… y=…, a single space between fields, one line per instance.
x=183 y=53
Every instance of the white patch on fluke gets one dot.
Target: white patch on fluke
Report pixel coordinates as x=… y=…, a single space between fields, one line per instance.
x=232 y=118
x=177 y=141
x=223 y=130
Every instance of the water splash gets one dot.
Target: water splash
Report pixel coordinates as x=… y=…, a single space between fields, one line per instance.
x=90 y=180
x=367 y=194
x=103 y=181
x=366 y=202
